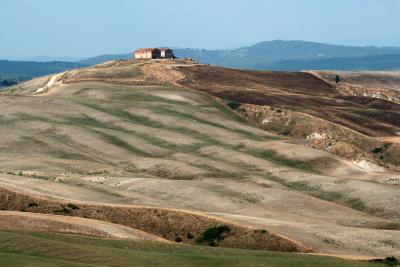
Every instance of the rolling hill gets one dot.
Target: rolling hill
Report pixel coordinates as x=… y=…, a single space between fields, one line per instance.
x=287 y=55
x=203 y=156
x=271 y=55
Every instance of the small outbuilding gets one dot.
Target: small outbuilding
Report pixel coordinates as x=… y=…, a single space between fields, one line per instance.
x=166 y=53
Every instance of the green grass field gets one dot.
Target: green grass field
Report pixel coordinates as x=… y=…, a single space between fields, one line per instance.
x=44 y=249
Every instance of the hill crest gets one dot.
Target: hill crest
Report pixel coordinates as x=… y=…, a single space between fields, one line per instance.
x=285 y=55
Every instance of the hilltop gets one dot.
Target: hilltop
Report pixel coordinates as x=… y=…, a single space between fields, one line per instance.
x=287 y=56
x=269 y=55
x=285 y=161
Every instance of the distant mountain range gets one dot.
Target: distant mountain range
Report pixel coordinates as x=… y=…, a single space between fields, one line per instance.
x=50 y=59
x=35 y=69
x=269 y=55
x=368 y=63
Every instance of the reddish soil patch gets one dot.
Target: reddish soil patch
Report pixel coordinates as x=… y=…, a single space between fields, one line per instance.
x=297 y=91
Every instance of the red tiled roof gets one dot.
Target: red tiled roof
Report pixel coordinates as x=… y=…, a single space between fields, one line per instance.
x=143 y=50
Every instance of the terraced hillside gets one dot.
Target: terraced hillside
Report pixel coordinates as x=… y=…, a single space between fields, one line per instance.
x=123 y=135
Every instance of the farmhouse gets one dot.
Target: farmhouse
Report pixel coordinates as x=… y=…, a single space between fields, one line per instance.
x=147 y=53
x=154 y=53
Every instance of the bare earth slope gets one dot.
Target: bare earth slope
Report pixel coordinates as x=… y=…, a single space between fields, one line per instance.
x=126 y=133
x=295 y=90
x=335 y=117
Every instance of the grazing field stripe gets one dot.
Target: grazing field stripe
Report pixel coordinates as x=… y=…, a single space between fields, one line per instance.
x=188 y=116
x=274 y=157
x=143 y=120
x=86 y=121
x=114 y=140
x=330 y=196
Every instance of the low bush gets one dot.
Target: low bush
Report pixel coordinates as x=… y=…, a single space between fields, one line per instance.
x=234 y=105
x=33 y=205
x=63 y=211
x=377 y=150
x=214 y=234
x=189 y=236
x=72 y=206
x=389 y=261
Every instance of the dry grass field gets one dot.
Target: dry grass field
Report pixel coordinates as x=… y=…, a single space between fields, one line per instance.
x=19 y=248
x=116 y=137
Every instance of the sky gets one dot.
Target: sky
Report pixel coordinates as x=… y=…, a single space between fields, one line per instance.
x=85 y=28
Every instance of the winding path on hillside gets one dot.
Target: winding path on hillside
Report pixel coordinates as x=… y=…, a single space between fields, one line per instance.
x=50 y=83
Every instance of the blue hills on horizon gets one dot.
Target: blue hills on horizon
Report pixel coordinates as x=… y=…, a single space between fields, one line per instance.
x=287 y=56
x=275 y=55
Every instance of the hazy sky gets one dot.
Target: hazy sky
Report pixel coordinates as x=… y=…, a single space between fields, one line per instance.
x=82 y=28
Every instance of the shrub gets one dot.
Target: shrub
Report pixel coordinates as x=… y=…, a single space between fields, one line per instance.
x=214 y=234
x=178 y=239
x=212 y=243
x=63 y=210
x=33 y=205
x=381 y=149
x=377 y=150
x=262 y=231
x=189 y=236
x=330 y=241
x=234 y=105
x=389 y=261
x=72 y=206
